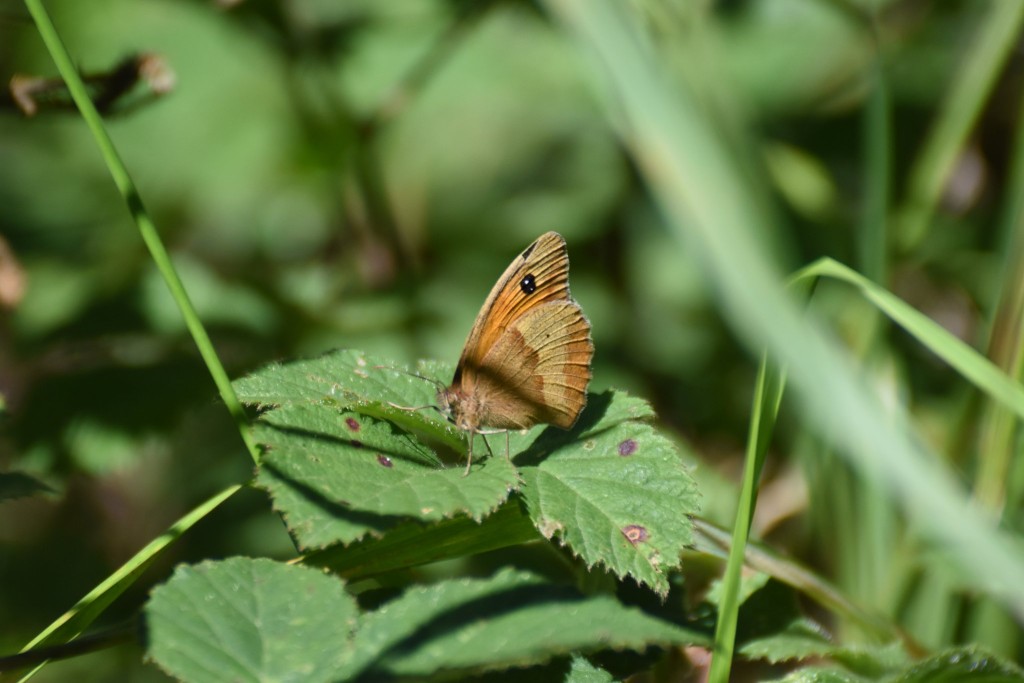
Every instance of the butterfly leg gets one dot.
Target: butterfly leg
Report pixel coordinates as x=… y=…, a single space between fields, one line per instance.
x=483 y=434
x=469 y=454
x=488 y=444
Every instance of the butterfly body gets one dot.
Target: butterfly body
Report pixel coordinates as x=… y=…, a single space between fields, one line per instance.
x=527 y=358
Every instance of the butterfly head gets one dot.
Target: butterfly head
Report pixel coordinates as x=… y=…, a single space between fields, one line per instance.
x=458 y=407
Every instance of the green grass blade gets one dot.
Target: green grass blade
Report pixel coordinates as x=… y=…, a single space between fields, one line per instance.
x=85 y=611
x=118 y=171
x=704 y=196
x=983 y=60
x=977 y=369
x=767 y=396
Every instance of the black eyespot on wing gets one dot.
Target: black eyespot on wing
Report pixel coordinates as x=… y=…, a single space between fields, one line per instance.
x=528 y=284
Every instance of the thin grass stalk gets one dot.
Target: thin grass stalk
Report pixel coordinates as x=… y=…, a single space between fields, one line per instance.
x=92 y=605
x=125 y=185
x=765 y=410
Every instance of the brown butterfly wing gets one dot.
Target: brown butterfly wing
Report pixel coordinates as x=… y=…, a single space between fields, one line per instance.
x=538 y=275
x=537 y=371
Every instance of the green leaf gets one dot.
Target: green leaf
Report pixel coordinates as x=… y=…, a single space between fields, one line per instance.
x=19 y=485
x=512 y=619
x=339 y=466
x=803 y=639
x=345 y=377
x=351 y=379
x=820 y=674
x=613 y=490
x=250 y=620
x=337 y=475
x=583 y=671
x=968 y=664
x=414 y=543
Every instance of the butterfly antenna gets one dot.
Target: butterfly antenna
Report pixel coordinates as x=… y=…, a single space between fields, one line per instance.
x=412 y=409
x=436 y=382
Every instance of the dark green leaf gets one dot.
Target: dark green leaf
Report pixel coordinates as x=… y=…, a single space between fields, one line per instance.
x=414 y=543
x=18 y=485
x=512 y=619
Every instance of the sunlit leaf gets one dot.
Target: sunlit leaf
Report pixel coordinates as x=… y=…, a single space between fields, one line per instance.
x=614 y=491
x=582 y=671
x=344 y=377
x=337 y=475
x=802 y=640
x=340 y=464
x=250 y=620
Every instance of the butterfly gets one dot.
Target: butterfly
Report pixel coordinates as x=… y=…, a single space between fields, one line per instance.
x=527 y=358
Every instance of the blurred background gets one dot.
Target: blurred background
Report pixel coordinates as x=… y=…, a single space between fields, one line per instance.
x=352 y=173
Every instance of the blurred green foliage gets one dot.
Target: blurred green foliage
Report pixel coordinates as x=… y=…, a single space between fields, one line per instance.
x=351 y=173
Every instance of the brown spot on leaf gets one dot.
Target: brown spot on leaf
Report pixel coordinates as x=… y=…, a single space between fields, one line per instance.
x=356 y=443
x=384 y=460
x=635 y=533
x=352 y=424
x=549 y=527
x=627 y=448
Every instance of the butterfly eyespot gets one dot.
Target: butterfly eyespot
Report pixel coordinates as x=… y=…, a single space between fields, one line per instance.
x=528 y=284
